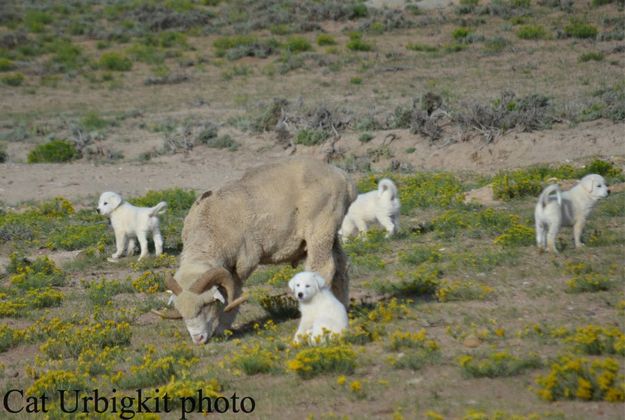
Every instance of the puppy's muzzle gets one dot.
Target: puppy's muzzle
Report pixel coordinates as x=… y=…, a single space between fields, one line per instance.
x=98 y=210
x=300 y=295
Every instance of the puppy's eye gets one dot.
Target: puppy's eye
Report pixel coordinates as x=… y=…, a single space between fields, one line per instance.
x=105 y=204
x=307 y=286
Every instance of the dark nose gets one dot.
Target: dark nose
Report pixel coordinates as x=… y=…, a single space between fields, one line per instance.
x=609 y=191
x=300 y=294
x=98 y=210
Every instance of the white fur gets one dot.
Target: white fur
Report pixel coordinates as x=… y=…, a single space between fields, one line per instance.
x=130 y=222
x=569 y=208
x=322 y=313
x=381 y=205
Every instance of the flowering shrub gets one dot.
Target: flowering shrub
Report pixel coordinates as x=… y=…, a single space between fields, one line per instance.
x=51 y=381
x=8 y=338
x=70 y=340
x=596 y=340
x=421 y=190
x=101 y=292
x=33 y=299
x=177 y=389
x=580 y=378
x=386 y=312
x=497 y=364
x=417 y=349
x=159 y=261
x=280 y=306
x=317 y=360
x=149 y=282
x=457 y=290
x=590 y=282
x=40 y=273
x=516 y=235
x=254 y=358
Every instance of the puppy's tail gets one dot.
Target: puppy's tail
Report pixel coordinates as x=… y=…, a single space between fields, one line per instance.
x=158 y=209
x=386 y=186
x=544 y=196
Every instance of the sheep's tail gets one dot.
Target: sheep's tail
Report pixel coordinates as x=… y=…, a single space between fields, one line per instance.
x=158 y=209
x=386 y=185
x=544 y=196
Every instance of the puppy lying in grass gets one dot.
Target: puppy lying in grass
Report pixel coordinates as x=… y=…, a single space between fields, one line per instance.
x=130 y=222
x=381 y=205
x=556 y=208
x=322 y=313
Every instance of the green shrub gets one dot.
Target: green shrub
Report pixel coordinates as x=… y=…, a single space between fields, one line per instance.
x=366 y=137
x=280 y=306
x=114 y=61
x=497 y=365
x=36 y=20
x=67 y=56
x=77 y=236
x=54 y=151
x=92 y=121
x=421 y=47
x=578 y=29
x=178 y=200
x=460 y=33
x=37 y=274
x=297 y=44
x=311 y=136
x=424 y=280
x=225 y=43
x=8 y=338
x=6 y=64
x=13 y=79
x=356 y=43
x=222 y=142
x=360 y=11
x=325 y=39
x=516 y=235
x=591 y=56
x=532 y=32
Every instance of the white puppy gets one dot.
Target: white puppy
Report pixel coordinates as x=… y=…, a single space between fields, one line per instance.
x=130 y=222
x=569 y=208
x=381 y=205
x=321 y=311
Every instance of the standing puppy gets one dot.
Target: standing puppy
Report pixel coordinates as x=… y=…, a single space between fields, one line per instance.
x=569 y=208
x=321 y=311
x=381 y=205
x=130 y=222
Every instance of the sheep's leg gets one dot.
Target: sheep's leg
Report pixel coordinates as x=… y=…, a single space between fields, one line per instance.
x=120 y=244
x=131 y=247
x=143 y=244
x=340 y=281
x=158 y=241
x=319 y=256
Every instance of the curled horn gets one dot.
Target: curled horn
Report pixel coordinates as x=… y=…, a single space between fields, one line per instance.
x=215 y=277
x=173 y=285
x=168 y=314
x=235 y=303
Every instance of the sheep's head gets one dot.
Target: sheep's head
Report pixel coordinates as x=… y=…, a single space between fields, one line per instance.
x=203 y=305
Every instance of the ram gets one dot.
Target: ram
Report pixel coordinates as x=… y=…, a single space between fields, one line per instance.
x=276 y=213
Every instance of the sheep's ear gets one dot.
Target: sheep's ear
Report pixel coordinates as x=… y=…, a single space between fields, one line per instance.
x=218 y=296
x=321 y=282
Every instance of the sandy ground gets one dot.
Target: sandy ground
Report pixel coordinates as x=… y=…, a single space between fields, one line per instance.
x=204 y=168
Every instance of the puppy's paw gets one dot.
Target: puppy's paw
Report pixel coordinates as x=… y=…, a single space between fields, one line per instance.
x=113 y=259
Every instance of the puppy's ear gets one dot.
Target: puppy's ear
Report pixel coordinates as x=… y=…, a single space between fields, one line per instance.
x=292 y=284
x=115 y=200
x=588 y=184
x=321 y=282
